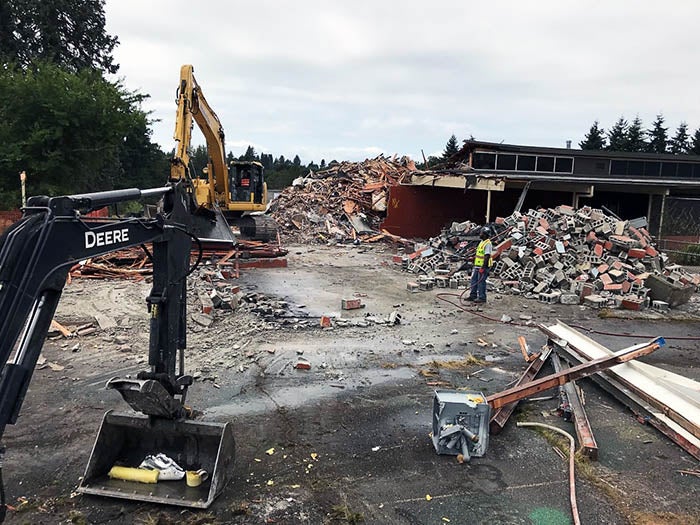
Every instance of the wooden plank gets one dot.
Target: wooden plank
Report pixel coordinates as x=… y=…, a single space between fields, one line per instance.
x=500 y=416
x=55 y=325
x=584 y=432
x=659 y=388
x=577 y=372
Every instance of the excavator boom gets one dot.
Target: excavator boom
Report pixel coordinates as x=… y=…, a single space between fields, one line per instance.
x=227 y=192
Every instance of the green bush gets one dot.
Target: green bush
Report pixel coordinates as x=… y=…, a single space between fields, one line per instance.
x=691 y=255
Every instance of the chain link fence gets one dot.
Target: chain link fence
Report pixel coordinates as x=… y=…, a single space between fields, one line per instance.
x=680 y=230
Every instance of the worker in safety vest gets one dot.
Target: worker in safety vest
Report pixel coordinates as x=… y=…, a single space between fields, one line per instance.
x=482 y=265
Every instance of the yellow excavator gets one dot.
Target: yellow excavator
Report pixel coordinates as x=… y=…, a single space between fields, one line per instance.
x=228 y=193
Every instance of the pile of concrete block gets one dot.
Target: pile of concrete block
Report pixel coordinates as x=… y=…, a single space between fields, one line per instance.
x=568 y=256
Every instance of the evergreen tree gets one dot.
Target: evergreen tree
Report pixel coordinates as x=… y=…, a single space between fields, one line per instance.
x=617 y=136
x=266 y=160
x=658 y=136
x=297 y=161
x=451 y=148
x=594 y=139
x=69 y=33
x=199 y=158
x=323 y=163
x=695 y=143
x=636 y=136
x=680 y=143
x=249 y=154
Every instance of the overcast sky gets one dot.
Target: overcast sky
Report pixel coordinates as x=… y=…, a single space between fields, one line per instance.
x=349 y=80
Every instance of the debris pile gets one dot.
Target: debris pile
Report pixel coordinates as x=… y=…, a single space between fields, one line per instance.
x=344 y=202
x=582 y=256
x=561 y=255
x=134 y=263
x=127 y=263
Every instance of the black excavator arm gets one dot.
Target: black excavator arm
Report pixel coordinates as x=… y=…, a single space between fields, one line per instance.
x=36 y=254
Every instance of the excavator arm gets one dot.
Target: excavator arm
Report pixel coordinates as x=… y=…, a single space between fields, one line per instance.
x=191 y=105
x=36 y=254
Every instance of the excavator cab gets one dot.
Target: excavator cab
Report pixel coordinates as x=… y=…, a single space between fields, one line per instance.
x=36 y=254
x=247 y=183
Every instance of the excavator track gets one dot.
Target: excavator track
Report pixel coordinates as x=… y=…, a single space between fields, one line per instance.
x=255 y=227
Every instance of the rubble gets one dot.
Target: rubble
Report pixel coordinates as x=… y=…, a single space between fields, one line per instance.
x=345 y=202
x=559 y=255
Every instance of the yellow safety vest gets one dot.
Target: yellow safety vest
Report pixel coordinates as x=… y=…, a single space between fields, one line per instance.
x=481 y=252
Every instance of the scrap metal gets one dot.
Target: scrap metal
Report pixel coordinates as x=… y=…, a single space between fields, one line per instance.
x=583 y=370
x=667 y=401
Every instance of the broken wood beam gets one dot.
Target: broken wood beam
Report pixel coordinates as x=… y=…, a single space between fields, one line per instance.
x=584 y=432
x=55 y=325
x=583 y=370
x=676 y=396
x=501 y=415
x=645 y=412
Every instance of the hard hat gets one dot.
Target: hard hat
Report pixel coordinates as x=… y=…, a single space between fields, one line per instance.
x=486 y=230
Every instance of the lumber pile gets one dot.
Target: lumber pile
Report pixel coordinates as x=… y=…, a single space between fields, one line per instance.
x=345 y=202
x=130 y=263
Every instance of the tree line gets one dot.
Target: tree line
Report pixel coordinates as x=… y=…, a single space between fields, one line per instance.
x=65 y=123
x=632 y=136
x=279 y=171
x=61 y=119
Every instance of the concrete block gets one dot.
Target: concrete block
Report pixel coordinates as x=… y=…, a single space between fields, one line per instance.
x=569 y=298
x=351 y=304
x=632 y=302
x=595 y=301
x=549 y=298
x=660 y=306
x=540 y=287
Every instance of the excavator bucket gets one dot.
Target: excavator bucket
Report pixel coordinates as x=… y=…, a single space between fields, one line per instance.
x=127 y=439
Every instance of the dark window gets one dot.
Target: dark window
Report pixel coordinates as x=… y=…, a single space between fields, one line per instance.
x=651 y=169
x=696 y=171
x=505 y=162
x=526 y=162
x=484 y=161
x=635 y=167
x=618 y=167
x=564 y=165
x=685 y=170
x=545 y=164
x=668 y=169
x=600 y=166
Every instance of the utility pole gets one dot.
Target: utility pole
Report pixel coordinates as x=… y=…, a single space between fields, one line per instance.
x=23 y=181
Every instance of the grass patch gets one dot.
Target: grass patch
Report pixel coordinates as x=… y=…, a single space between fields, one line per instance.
x=588 y=471
x=191 y=518
x=469 y=361
x=663 y=518
x=343 y=513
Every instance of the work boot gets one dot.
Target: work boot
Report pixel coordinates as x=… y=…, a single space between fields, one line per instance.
x=479 y=300
x=471 y=299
